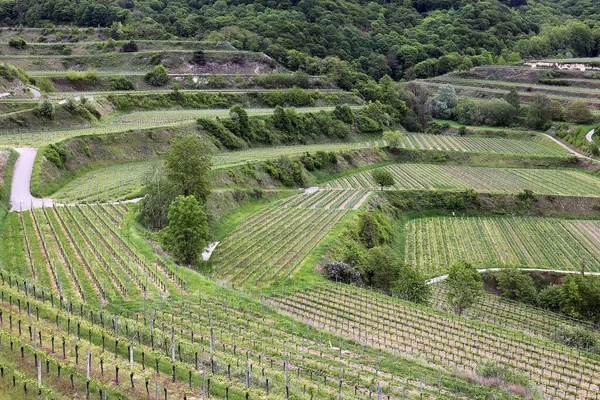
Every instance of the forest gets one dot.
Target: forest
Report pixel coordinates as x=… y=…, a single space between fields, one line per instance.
x=403 y=39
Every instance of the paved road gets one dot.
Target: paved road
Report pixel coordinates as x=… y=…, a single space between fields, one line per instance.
x=564 y=146
x=589 y=136
x=20 y=194
x=36 y=94
x=558 y=271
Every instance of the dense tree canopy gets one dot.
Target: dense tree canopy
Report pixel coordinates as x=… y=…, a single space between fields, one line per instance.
x=185 y=235
x=412 y=38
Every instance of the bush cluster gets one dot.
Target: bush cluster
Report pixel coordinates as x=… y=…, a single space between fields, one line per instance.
x=84 y=78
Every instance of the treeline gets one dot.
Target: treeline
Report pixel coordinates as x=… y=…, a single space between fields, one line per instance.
x=294 y=97
x=365 y=254
x=286 y=126
x=577 y=295
x=538 y=114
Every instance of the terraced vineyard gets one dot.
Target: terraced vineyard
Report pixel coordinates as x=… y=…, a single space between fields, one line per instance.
x=541 y=147
x=177 y=116
x=36 y=138
x=119 y=182
x=216 y=355
x=498 y=90
x=116 y=182
x=100 y=185
x=329 y=199
x=81 y=253
x=271 y=245
x=498 y=311
x=440 y=338
x=434 y=243
x=123 y=124
x=482 y=179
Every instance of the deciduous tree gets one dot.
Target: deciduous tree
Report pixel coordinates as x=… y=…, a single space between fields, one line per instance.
x=383 y=178
x=185 y=235
x=464 y=286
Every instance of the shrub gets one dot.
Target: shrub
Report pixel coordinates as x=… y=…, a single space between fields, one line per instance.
x=186 y=234
x=497 y=370
x=344 y=113
x=464 y=286
x=516 y=285
x=217 y=130
x=121 y=83
x=158 y=76
x=45 y=85
x=539 y=113
x=88 y=78
x=199 y=58
x=17 y=43
x=46 y=109
x=55 y=155
x=382 y=178
x=393 y=138
x=527 y=196
x=550 y=298
x=579 y=113
x=286 y=170
x=373 y=229
x=341 y=272
x=368 y=126
x=576 y=336
x=130 y=47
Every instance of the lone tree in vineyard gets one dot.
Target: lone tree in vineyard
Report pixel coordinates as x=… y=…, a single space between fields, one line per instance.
x=185 y=235
x=187 y=164
x=383 y=178
x=464 y=286
x=183 y=174
x=393 y=138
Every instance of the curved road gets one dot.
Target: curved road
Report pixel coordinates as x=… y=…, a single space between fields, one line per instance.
x=564 y=146
x=20 y=194
x=589 y=136
x=36 y=94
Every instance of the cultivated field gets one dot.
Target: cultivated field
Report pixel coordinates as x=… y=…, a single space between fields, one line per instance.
x=116 y=182
x=505 y=313
x=481 y=179
x=81 y=253
x=271 y=245
x=540 y=147
x=442 y=339
x=432 y=244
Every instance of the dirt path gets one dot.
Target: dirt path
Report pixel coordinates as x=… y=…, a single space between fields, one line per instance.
x=558 y=271
x=20 y=194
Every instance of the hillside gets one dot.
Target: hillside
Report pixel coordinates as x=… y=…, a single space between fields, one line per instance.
x=300 y=199
x=402 y=39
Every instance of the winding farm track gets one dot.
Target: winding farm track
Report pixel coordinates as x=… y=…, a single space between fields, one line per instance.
x=441 y=278
x=21 y=198
x=20 y=194
x=564 y=146
x=36 y=93
x=589 y=136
